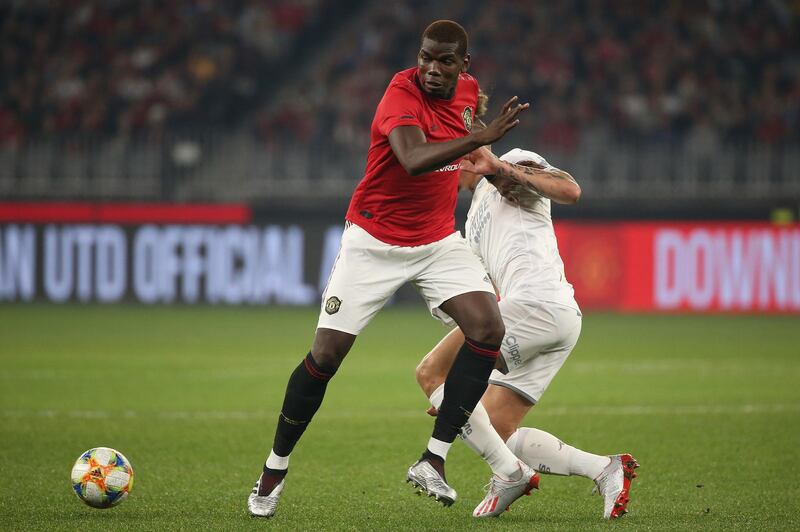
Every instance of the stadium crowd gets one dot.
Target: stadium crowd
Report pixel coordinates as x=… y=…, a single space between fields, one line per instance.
x=107 y=67
x=700 y=73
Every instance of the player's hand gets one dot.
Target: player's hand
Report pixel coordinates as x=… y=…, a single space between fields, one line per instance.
x=432 y=411
x=505 y=121
x=481 y=161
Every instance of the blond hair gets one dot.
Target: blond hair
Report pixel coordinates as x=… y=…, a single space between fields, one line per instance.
x=483 y=104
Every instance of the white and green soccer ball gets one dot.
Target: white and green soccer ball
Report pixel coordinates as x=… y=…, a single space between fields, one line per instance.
x=102 y=477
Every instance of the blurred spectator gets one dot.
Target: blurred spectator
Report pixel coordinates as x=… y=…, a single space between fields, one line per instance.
x=642 y=71
x=652 y=71
x=105 y=67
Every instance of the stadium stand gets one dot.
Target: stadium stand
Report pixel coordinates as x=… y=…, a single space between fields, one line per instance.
x=703 y=100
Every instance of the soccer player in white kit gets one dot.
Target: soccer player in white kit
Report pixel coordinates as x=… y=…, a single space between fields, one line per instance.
x=510 y=229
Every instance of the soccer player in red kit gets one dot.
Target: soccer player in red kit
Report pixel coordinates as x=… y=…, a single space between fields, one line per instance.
x=401 y=228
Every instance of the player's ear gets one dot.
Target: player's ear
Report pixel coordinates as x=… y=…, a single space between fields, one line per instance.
x=465 y=65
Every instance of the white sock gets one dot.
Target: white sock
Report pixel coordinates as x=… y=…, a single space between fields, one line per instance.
x=480 y=436
x=437 y=396
x=547 y=454
x=439 y=447
x=277 y=462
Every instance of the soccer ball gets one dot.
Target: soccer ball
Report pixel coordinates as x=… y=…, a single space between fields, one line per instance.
x=102 y=477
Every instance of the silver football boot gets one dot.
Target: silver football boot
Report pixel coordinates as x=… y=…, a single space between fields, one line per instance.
x=264 y=505
x=501 y=492
x=425 y=477
x=614 y=484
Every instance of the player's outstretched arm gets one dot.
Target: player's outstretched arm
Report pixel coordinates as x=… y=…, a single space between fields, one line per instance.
x=419 y=156
x=548 y=181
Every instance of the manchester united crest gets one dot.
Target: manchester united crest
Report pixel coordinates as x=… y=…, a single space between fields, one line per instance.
x=467 y=116
x=332 y=305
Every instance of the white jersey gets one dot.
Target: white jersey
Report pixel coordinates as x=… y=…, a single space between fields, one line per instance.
x=516 y=242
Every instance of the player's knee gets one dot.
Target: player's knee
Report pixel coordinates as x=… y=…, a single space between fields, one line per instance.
x=427 y=377
x=489 y=330
x=498 y=331
x=328 y=355
x=421 y=374
x=330 y=347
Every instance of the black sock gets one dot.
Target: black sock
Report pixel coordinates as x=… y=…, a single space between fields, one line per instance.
x=464 y=387
x=304 y=395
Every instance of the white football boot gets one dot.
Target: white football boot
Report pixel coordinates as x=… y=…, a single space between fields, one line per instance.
x=501 y=492
x=614 y=484
x=425 y=477
x=264 y=505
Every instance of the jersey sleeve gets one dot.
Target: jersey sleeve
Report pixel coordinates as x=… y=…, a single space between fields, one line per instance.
x=400 y=106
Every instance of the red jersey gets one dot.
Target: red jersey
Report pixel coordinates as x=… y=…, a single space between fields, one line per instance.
x=389 y=203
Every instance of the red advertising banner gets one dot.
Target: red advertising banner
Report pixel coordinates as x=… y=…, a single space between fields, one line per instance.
x=684 y=266
x=194 y=253
x=124 y=213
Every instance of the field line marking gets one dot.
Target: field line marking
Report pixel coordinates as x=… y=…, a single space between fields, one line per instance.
x=233 y=415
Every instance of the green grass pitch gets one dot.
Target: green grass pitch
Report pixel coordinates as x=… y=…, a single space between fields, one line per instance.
x=709 y=405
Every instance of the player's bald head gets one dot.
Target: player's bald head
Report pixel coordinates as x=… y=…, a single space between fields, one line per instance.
x=447 y=31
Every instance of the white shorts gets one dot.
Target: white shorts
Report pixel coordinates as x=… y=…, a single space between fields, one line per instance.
x=367 y=272
x=539 y=337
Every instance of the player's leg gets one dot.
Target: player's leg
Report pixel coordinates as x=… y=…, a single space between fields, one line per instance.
x=360 y=284
x=304 y=394
x=477 y=433
x=535 y=350
x=542 y=451
x=531 y=328
x=526 y=334
x=510 y=396
x=433 y=368
x=306 y=389
x=549 y=455
x=506 y=409
x=538 y=347
x=456 y=288
x=477 y=315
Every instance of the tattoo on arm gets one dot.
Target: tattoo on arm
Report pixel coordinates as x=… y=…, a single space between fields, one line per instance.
x=516 y=172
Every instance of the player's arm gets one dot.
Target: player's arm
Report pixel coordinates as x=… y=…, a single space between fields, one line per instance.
x=547 y=181
x=419 y=156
